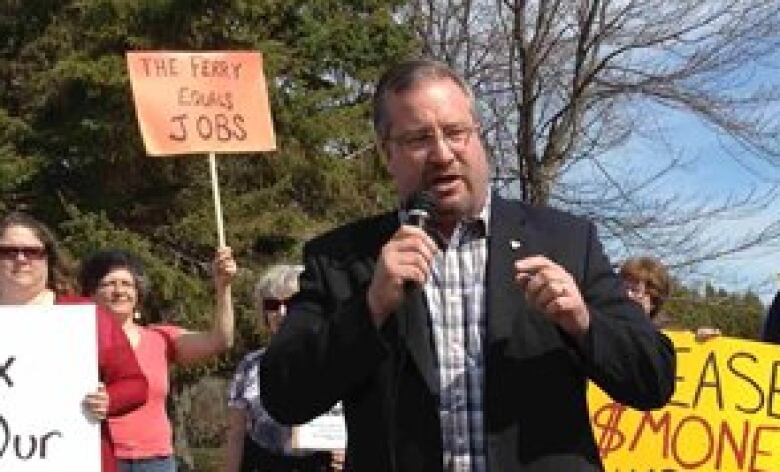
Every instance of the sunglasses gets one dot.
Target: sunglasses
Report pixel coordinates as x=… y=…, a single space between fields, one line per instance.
x=29 y=252
x=273 y=304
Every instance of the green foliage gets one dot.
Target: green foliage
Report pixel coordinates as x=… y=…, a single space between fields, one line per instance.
x=71 y=154
x=735 y=314
x=15 y=169
x=177 y=292
x=204 y=410
x=209 y=459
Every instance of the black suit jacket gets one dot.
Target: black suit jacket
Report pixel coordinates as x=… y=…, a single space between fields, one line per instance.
x=536 y=417
x=771 y=331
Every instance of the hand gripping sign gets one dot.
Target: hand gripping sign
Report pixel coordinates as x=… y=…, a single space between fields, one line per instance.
x=201 y=102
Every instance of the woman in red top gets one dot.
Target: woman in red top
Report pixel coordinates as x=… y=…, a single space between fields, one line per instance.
x=34 y=271
x=116 y=279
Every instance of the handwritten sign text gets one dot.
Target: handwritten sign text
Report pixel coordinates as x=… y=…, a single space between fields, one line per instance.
x=199 y=102
x=48 y=363
x=724 y=415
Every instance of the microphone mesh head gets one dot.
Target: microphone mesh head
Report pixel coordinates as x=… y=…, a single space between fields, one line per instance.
x=421 y=202
x=420 y=208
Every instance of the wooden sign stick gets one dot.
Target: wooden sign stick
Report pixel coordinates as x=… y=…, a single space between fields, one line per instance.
x=217 y=203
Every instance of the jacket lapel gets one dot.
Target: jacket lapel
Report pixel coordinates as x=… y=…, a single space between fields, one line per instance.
x=411 y=319
x=511 y=321
x=507 y=243
x=415 y=329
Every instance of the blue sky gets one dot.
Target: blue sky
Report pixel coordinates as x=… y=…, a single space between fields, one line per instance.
x=712 y=172
x=714 y=169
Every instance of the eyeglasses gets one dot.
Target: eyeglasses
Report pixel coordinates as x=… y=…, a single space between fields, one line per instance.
x=29 y=252
x=634 y=288
x=115 y=284
x=456 y=136
x=273 y=304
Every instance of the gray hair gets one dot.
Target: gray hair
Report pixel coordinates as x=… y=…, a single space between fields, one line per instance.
x=405 y=76
x=279 y=281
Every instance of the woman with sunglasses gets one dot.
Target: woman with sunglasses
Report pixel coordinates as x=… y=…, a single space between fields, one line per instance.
x=35 y=271
x=117 y=281
x=255 y=442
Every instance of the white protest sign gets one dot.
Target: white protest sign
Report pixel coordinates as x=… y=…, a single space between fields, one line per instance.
x=324 y=433
x=48 y=363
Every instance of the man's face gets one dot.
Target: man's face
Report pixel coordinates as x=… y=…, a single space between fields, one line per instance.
x=433 y=144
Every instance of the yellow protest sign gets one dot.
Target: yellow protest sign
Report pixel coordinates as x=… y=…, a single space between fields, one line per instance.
x=724 y=415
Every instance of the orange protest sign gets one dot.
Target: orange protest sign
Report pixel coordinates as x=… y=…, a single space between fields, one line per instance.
x=724 y=414
x=201 y=102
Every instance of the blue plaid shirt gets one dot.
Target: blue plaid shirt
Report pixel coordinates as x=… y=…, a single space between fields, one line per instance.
x=456 y=300
x=244 y=394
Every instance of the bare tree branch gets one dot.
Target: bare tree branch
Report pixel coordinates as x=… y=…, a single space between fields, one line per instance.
x=569 y=83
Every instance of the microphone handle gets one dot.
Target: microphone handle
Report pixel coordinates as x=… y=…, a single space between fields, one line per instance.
x=417 y=218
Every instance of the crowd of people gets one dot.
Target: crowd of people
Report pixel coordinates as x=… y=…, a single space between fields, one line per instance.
x=426 y=331
x=133 y=360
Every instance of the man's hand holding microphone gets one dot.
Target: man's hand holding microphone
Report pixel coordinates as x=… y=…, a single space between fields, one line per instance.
x=405 y=259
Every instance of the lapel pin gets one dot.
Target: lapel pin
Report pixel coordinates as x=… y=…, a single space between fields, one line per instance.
x=515 y=244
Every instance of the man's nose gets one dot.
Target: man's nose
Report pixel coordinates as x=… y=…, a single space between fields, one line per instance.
x=441 y=151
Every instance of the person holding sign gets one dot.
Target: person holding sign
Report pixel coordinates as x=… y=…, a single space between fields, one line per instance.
x=461 y=330
x=255 y=442
x=35 y=271
x=117 y=282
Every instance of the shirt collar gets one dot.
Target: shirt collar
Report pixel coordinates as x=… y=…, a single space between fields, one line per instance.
x=482 y=218
x=477 y=226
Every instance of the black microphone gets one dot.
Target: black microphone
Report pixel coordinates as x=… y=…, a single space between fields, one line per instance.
x=420 y=208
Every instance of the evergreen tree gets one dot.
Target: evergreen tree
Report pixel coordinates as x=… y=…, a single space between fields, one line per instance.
x=70 y=146
x=736 y=315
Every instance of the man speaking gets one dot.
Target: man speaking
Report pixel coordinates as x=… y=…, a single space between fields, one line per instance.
x=464 y=343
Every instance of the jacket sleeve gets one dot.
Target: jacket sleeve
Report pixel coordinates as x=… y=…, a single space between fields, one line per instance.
x=625 y=354
x=327 y=345
x=118 y=368
x=771 y=331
